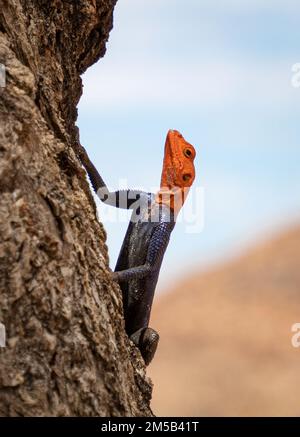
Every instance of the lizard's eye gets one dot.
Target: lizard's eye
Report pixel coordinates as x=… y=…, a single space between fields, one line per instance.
x=188 y=153
x=186 y=177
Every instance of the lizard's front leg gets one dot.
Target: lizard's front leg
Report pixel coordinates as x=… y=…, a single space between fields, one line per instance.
x=146 y=339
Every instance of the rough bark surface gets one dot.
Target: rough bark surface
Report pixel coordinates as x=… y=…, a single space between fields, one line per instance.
x=66 y=352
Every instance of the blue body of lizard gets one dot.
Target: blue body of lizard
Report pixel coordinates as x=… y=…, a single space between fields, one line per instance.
x=141 y=255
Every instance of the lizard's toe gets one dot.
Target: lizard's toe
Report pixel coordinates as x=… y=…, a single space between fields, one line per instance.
x=146 y=339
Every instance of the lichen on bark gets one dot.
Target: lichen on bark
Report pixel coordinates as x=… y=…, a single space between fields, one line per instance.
x=67 y=352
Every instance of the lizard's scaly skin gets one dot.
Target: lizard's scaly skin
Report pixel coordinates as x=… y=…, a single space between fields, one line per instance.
x=148 y=234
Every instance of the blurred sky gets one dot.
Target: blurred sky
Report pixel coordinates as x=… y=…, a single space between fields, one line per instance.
x=220 y=72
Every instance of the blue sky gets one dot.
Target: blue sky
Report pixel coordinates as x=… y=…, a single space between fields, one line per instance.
x=220 y=72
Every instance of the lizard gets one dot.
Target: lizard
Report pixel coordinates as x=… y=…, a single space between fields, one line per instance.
x=152 y=221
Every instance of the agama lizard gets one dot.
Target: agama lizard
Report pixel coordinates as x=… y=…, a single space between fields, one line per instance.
x=152 y=221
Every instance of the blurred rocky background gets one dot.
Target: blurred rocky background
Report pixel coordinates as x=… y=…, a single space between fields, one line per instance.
x=225 y=345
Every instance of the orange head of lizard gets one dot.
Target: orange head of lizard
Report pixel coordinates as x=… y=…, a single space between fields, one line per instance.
x=178 y=172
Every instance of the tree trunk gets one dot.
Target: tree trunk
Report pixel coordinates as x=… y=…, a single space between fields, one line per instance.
x=66 y=349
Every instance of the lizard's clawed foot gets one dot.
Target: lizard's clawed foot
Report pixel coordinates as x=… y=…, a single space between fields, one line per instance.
x=146 y=339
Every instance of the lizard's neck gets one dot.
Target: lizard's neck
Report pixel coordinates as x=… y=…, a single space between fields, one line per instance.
x=173 y=198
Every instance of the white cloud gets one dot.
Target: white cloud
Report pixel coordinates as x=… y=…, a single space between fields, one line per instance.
x=211 y=84
x=150 y=63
